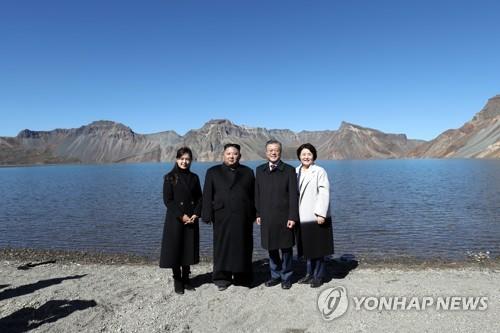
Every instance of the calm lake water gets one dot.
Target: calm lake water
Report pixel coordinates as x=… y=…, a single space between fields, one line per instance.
x=383 y=209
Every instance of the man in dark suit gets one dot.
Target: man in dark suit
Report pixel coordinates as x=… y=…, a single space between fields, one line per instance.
x=228 y=203
x=276 y=201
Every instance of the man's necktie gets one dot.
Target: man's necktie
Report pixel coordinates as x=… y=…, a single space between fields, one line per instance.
x=273 y=166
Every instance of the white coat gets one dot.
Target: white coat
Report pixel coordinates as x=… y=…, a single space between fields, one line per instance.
x=314 y=197
x=314 y=240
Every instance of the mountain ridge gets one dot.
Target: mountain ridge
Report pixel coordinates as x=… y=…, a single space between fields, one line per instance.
x=477 y=138
x=105 y=141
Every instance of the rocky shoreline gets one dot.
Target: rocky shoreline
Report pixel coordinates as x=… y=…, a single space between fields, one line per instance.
x=94 y=257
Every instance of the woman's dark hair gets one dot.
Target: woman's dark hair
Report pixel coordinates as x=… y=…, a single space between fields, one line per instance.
x=309 y=147
x=184 y=150
x=172 y=176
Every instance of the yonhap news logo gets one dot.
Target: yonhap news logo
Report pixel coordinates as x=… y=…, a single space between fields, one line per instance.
x=333 y=303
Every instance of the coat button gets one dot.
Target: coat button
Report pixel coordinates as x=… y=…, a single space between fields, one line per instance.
x=182 y=203
x=192 y=202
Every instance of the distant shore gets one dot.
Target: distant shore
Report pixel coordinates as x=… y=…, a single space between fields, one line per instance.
x=248 y=161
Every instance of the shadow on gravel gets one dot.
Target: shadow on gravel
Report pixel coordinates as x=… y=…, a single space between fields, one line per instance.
x=30 y=318
x=29 y=288
x=4 y=286
x=341 y=267
x=259 y=268
x=31 y=265
x=199 y=280
x=260 y=272
x=337 y=268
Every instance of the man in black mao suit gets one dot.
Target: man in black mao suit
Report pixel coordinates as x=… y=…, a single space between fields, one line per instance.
x=276 y=201
x=228 y=203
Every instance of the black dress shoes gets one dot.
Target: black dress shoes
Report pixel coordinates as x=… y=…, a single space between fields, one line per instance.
x=316 y=283
x=286 y=285
x=222 y=287
x=306 y=279
x=272 y=282
x=222 y=284
x=178 y=287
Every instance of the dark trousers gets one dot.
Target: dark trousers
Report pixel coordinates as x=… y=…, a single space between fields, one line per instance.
x=281 y=267
x=225 y=278
x=316 y=268
x=181 y=274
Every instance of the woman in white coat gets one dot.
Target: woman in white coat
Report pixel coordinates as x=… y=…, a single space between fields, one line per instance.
x=315 y=237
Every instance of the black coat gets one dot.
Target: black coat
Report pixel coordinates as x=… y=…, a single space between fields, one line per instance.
x=228 y=202
x=181 y=243
x=276 y=201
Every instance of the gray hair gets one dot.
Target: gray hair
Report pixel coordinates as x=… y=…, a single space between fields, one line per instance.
x=273 y=142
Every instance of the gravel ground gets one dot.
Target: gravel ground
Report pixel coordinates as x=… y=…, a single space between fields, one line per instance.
x=81 y=292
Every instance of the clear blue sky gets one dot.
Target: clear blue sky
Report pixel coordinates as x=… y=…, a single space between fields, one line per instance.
x=414 y=67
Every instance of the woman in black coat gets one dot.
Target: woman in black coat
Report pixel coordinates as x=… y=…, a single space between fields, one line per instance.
x=181 y=235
